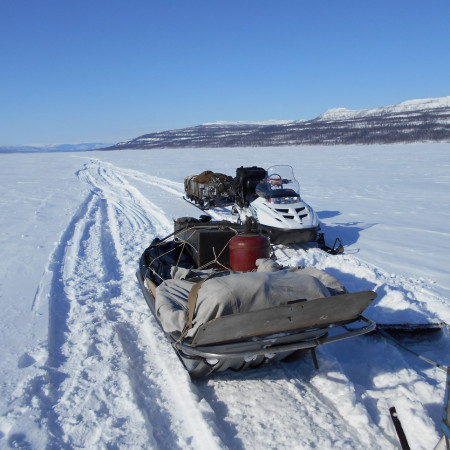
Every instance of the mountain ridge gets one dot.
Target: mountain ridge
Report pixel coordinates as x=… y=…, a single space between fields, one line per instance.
x=419 y=120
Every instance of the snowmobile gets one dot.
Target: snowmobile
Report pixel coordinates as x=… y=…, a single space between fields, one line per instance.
x=272 y=197
x=225 y=303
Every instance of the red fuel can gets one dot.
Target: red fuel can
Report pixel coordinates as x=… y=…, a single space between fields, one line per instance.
x=245 y=249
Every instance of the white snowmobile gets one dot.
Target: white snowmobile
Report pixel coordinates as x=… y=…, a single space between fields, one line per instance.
x=273 y=199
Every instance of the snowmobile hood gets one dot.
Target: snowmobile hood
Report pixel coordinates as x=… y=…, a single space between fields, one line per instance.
x=296 y=215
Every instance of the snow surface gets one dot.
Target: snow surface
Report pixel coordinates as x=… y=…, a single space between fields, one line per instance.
x=407 y=106
x=84 y=364
x=260 y=122
x=403 y=107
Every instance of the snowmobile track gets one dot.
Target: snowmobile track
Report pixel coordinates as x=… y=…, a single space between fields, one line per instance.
x=102 y=374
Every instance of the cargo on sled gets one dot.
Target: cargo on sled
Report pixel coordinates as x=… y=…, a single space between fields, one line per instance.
x=225 y=304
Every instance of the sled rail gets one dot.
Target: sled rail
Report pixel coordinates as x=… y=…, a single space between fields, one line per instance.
x=318 y=313
x=229 y=352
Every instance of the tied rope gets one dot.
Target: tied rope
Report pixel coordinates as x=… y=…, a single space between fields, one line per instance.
x=183 y=243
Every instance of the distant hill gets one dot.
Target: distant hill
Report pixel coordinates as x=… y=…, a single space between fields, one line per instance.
x=52 y=148
x=426 y=120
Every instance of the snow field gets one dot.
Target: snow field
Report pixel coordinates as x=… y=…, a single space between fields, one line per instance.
x=85 y=365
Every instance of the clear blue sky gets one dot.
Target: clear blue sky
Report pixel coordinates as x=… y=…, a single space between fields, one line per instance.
x=77 y=71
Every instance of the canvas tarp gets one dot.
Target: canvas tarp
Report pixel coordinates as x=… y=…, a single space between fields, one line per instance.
x=240 y=292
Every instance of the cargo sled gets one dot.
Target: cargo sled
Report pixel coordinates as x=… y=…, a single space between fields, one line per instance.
x=209 y=189
x=217 y=318
x=272 y=198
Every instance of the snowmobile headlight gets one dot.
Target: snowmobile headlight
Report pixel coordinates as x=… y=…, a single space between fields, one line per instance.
x=212 y=362
x=282 y=200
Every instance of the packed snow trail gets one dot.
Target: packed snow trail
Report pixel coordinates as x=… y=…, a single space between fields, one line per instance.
x=168 y=193
x=112 y=379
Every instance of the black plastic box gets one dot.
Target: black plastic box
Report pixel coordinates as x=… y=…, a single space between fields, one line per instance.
x=207 y=241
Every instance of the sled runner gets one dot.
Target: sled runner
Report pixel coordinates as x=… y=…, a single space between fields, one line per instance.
x=218 y=318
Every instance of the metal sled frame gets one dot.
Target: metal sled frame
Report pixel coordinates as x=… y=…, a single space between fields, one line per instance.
x=250 y=339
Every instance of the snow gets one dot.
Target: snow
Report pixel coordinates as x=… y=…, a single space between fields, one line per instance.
x=261 y=122
x=403 y=107
x=84 y=363
x=407 y=106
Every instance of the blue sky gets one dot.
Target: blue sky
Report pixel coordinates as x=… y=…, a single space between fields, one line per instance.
x=77 y=71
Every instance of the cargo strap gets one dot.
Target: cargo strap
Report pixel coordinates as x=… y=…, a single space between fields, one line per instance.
x=192 y=301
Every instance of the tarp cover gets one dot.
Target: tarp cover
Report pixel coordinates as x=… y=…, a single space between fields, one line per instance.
x=240 y=292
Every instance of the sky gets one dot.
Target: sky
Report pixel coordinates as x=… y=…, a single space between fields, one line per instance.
x=76 y=71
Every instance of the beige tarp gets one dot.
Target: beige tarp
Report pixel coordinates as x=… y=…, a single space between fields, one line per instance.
x=240 y=292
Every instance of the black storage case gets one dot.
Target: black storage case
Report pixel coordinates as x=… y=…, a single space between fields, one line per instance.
x=206 y=240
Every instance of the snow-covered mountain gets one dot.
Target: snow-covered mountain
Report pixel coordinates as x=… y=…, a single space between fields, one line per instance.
x=414 y=106
x=426 y=120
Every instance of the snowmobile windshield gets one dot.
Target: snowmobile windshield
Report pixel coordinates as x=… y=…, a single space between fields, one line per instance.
x=282 y=177
x=281 y=185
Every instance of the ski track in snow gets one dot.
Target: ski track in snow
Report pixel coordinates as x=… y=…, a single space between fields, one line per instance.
x=108 y=369
x=111 y=370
